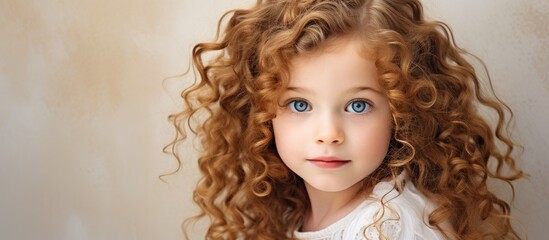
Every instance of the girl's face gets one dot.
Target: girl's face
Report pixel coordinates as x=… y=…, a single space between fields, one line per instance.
x=334 y=124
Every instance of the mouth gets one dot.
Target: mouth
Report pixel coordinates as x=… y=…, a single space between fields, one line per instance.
x=328 y=162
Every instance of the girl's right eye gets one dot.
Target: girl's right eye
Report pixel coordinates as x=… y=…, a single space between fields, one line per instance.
x=299 y=106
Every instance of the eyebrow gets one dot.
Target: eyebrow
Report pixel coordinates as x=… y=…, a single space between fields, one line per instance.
x=297 y=89
x=360 y=89
x=350 y=90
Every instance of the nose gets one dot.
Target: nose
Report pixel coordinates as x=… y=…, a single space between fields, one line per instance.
x=329 y=131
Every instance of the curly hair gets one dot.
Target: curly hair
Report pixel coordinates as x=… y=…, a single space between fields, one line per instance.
x=447 y=148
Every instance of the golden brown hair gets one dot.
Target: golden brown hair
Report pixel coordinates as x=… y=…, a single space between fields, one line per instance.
x=448 y=150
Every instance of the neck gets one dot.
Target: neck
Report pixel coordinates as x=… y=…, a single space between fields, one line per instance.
x=329 y=207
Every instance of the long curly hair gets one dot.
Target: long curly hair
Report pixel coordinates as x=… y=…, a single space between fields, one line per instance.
x=448 y=150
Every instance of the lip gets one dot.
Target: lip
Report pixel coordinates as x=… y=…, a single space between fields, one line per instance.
x=328 y=162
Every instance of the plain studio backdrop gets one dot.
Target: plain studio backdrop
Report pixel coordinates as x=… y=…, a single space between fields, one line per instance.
x=83 y=108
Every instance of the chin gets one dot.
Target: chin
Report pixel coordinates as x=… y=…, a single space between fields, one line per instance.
x=331 y=187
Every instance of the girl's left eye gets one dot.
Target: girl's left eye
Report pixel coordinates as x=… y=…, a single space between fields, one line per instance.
x=358 y=106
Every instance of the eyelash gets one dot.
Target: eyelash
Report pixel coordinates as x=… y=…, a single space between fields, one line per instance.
x=293 y=100
x=370 y=105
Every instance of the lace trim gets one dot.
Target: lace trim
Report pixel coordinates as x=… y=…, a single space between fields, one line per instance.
x=391 y=230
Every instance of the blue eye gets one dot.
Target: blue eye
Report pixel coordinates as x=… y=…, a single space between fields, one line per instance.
x=299 y=106
x=358 y=106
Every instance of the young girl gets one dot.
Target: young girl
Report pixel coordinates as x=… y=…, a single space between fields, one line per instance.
x=344 y=119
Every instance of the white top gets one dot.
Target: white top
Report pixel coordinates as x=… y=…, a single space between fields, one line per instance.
x=405 y=216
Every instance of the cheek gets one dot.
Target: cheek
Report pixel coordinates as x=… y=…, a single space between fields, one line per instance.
x=373 y=142
x=283 y=135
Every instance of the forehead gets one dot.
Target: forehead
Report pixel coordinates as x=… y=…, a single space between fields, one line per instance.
x=343 y=60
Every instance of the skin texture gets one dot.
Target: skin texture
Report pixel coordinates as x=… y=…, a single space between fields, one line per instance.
x=333 y=107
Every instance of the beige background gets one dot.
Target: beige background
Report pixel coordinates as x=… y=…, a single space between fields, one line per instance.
x=83 y=109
